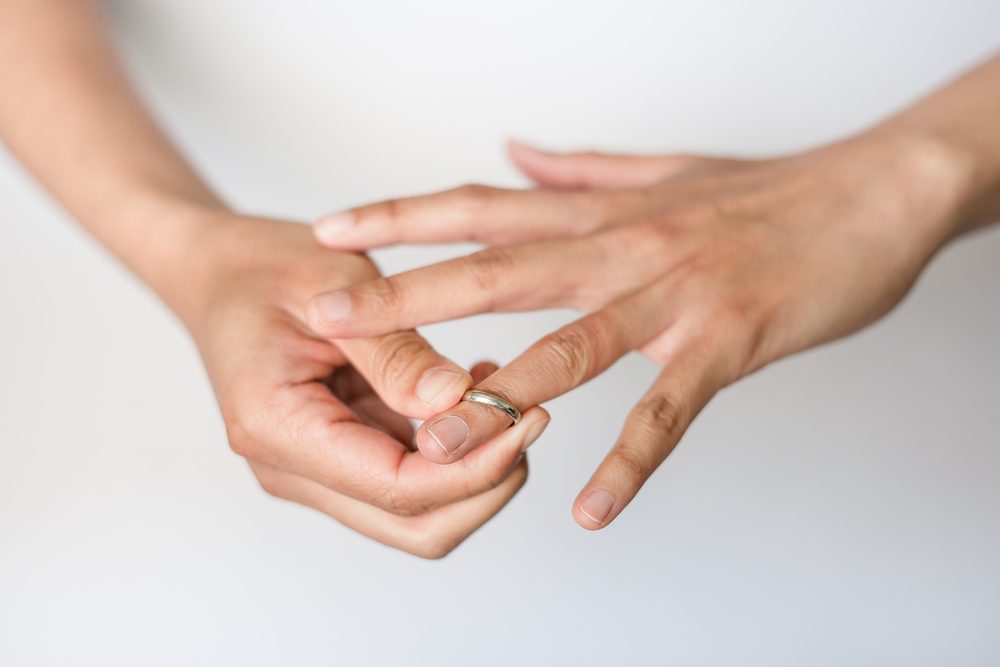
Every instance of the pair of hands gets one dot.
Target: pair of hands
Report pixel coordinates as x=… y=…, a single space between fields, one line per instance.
x=711 y=268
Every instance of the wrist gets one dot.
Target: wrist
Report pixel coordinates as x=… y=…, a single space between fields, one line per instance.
x=166 y=240
x=960 y=153
x=938 y=182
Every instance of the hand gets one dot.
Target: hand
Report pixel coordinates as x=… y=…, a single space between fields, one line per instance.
x=712 y=268
x=322 y=424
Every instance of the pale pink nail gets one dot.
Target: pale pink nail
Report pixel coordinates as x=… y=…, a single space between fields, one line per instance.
x=598 y=505
x=449 y=433
x=331 y=228
x=332 y=307
x=438 y=382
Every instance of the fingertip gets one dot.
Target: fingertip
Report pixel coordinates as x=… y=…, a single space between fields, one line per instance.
x=594 y=508
x=326 y=312
x=441 y=388
x=482 y=370
x=330 y=230
x=440 y=439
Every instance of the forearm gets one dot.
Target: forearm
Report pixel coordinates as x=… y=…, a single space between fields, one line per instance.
x=68 y=113
x=964 y=119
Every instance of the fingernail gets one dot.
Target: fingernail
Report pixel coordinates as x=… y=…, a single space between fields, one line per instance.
x=533 y=433
x=333 y=306
x=438 y=382
x=330 y=228
x=450 y=433
x=598 y=505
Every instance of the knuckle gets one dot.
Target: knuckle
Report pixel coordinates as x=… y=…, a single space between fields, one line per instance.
x=402 y=504
x=391 y=210
x=572 y=349
x=430 y=542
x=394 y=356
x=385 y=294
x=655 y=233
x=474 y=194
x=649 y=238
x=632 y=464
x=491 y=263
x=662 y=416
x=488 y=268
x=240 y=433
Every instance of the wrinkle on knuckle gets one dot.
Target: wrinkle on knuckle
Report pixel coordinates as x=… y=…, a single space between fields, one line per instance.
x=394 y=355
x=385 y=295
x=631 y=464
x=475 y=195
x=663 y=416
x=487 y=269
x=392 y=210
x=572 y=349
x=401 y=503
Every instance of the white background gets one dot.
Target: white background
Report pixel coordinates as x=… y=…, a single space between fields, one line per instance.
x=838 y=508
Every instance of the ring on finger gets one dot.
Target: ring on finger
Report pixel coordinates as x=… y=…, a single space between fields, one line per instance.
x=494 y=401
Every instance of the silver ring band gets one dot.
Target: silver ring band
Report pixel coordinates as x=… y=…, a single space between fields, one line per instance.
x=494 y=401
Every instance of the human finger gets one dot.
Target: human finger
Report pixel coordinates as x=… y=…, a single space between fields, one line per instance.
x=593 y=170
x=431 y=535
x=478 y=213
x=552 y=366
x=579 y=272
x=306 y=431
x=407 y=373
x=691 y=377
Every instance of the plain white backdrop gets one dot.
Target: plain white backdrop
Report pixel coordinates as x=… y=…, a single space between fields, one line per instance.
x=841 y=507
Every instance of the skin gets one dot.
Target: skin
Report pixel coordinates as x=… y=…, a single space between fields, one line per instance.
x=710 y=267
x=322 y=423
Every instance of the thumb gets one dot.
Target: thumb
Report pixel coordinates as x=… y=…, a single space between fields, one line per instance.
x=591 y=170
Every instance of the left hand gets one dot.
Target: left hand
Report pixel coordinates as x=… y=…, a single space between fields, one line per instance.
x=712 y=268
x=324 y=423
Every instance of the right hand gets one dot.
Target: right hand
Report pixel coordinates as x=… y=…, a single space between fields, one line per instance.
x=322 y=423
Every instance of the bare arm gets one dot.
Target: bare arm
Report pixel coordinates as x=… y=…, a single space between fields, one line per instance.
x=72 y=119
x=239 y=284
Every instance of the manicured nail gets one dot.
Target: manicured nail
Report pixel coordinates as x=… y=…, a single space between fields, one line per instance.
x=332 y=227
x=598 y=505
x=450 y=433
x=332 y=307
x=438 y=382
x=533 y=432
